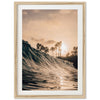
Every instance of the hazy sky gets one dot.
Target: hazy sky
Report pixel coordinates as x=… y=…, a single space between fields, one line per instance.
x=50 y=26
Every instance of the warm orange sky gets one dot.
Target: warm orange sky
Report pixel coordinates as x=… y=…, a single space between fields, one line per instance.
x=50 y=26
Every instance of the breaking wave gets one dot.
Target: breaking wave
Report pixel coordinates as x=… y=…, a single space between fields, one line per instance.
x=40 y=71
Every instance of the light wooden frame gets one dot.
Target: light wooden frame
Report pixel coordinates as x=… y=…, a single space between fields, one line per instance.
x=15 y=50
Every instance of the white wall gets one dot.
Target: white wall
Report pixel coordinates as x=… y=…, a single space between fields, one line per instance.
x=7 y=49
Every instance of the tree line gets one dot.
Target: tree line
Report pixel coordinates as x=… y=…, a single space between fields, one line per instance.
x=56 y=48
x=74 y=52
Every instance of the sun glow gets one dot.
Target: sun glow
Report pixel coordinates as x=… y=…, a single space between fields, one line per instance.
x=63 y=49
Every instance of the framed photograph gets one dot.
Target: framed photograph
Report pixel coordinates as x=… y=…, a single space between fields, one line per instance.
x=49 y=49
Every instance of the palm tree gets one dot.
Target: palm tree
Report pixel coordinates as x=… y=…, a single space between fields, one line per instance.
x=56 y=48
x=74 y=51
x=52 y=49
x=38 y=46
x=46 y=50
x=59 y=48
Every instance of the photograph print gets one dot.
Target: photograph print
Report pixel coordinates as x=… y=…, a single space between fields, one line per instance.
x=51 y=51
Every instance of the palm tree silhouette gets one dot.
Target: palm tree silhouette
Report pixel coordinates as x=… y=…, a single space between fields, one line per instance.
x=52 y=49
x=58 y=48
